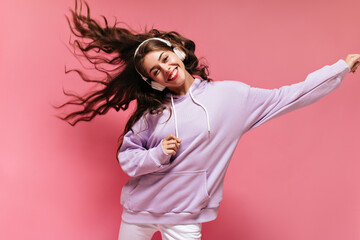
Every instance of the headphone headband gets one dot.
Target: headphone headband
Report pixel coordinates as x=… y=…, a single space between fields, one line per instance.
x=149 y=39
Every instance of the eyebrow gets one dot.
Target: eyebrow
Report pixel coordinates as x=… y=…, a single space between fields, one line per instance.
x=158 y=60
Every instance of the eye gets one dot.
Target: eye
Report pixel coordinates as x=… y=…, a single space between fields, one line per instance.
x=155 y=72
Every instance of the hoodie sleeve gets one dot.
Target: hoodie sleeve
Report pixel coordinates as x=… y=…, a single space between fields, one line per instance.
x=264 y=104
x=135 y=158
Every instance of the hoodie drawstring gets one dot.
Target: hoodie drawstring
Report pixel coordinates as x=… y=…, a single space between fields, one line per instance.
x=195 y=101
x=173 y=107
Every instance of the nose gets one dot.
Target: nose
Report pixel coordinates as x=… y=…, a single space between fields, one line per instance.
x=165 y=67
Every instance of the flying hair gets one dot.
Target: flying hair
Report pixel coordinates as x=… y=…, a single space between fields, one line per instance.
x=114 y=47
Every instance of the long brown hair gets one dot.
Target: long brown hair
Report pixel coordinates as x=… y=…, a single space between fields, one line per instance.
x=115 y=46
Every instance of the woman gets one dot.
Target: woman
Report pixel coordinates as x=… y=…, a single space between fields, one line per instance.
x=178 y=143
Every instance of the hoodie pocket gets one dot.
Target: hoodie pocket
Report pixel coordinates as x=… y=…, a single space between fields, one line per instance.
x=177 y=192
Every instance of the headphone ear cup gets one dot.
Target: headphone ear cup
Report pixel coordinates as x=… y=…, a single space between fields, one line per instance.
x=179 y=53
x=157 y=86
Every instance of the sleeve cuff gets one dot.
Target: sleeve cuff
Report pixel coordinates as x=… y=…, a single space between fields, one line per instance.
x=341 y=67
x=159 y=156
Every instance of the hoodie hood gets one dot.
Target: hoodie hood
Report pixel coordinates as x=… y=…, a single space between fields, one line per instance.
x=197 y=87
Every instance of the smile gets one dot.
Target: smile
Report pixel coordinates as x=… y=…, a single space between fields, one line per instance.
x=173 y=74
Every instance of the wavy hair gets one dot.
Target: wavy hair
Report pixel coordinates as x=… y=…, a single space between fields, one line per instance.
x=115 y=46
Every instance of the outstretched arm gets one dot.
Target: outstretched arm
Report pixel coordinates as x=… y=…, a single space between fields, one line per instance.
x=265 y=104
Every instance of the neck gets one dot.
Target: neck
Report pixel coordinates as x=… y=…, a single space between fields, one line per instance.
x=182 y=90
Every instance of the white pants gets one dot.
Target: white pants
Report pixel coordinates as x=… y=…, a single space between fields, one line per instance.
x=129 y=231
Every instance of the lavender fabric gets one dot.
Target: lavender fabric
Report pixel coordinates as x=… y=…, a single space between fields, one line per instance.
x=187 y=188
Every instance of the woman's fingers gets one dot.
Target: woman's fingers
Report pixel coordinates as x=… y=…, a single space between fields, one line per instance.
x=172 y=152
x=353 y=69
x=170 y=137
x=351 y=60
x=174 y=147
x=172 y=141
x=171 y=144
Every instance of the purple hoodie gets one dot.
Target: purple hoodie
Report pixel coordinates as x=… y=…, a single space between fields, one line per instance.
x=210 y=119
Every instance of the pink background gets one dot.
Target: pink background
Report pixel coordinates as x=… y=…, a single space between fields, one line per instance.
x=296 y=177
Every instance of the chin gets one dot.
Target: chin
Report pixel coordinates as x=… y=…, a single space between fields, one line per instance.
x=178 y=82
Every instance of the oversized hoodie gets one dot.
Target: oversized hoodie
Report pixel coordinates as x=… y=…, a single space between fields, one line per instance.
x=210 y=119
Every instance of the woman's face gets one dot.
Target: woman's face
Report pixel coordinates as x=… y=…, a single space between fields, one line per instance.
x=166 y=68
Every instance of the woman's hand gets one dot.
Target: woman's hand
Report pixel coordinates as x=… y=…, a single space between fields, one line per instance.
x=352 y=61
x=171 y=144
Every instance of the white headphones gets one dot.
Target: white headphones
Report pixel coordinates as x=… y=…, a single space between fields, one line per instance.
x=155 y=85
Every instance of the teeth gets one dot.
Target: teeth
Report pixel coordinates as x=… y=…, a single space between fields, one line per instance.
x=173 y=74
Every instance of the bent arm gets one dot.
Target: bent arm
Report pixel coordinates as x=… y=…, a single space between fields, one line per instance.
x=264 y=104
x=135 y=159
